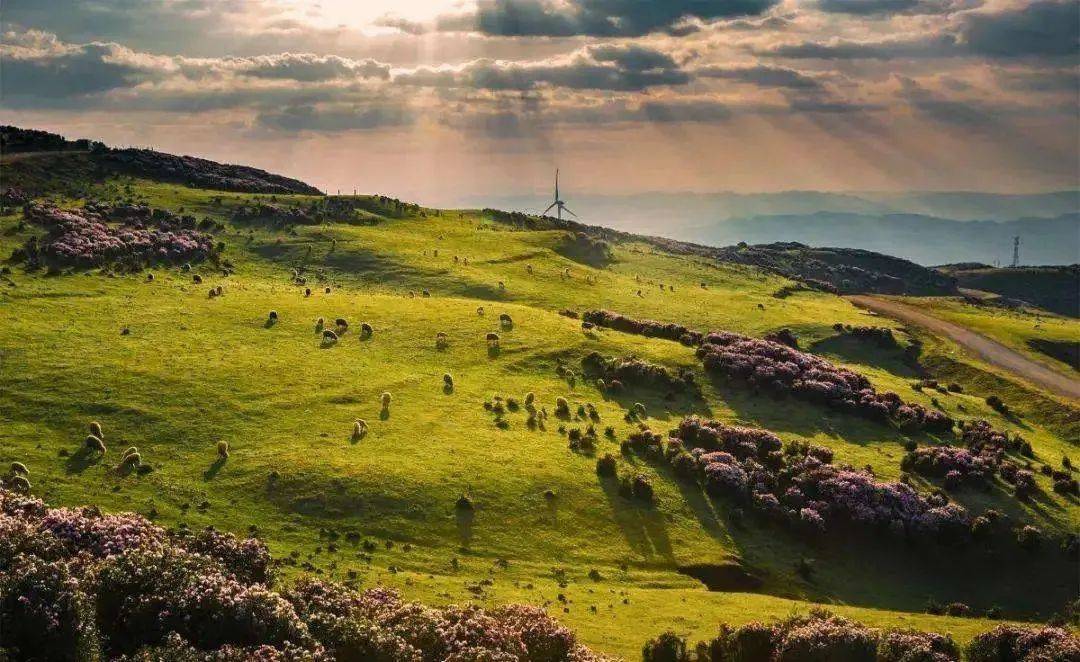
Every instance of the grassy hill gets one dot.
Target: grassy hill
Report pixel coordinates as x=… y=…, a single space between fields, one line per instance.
x=173 y=371
x=1056 y=289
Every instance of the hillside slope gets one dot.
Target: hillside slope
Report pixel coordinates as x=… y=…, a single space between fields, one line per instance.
x=172 y=365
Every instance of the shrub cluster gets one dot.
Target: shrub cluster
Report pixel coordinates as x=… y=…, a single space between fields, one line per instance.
x=649 y=328
x=783 y=369
x=881 y=335
x=634 y=372
x=955 y=465
x=84 y=238
x=78 y=584
x=801 y=486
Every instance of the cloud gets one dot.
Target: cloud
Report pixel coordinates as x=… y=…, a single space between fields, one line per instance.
x=597 y=18
x=335 y=118
x=891 y=7
x=1040 y=29
x=762 y=76
x=604 y=67
x=309 y=67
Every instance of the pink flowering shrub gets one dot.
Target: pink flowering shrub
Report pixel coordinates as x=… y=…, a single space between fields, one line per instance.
x=1024 y=644
x=780 y=368
x=78 y=584
x=956 y=465
x=86 y=238
x=649 y=328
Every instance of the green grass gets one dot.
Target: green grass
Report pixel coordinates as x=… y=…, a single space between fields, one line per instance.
x=195 y=370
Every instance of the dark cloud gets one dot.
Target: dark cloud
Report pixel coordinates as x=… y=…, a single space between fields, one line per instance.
x=335 y=119
x=934 y=106
x=1040 y=29
x=890 y=7
x=1033 y=80
x=606 y=67
x=762 y=76
x=310 y=68
x=599 y=18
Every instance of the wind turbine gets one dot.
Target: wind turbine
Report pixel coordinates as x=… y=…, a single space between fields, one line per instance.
x=559 y=205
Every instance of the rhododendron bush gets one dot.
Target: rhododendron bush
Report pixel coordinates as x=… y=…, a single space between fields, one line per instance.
x=782 y=369
x=79 y=584
x=649 y=328
x=85 y=237
x=802 y=486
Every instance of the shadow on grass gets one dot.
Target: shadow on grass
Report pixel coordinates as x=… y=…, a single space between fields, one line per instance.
x=465 y=518
x=81 y=460
x=214 y=468
x=847 y=349
x=642 y=526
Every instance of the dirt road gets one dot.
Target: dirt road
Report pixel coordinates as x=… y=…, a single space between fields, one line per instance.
x=986 y=349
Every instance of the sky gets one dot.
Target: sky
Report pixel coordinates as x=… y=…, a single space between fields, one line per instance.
x=445 y=100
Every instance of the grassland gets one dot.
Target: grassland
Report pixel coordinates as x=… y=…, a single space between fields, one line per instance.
x=192 y=370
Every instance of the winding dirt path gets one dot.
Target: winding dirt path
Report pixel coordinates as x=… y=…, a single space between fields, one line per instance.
x=986 y=349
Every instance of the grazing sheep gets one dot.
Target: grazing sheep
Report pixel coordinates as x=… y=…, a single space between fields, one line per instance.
x=464 y=503
x=639 y=410
x=273 y=317
x=19 y=484
x=566 y=272
x=95 y=429
x=197 y=279
x=320 y=324
x=435 y=252
x=386 y=398
x=411 y=294
x=480 y=311
x=441 y=340
x=220 y=290
x=130 y=461
x=329 y=336
x=448 y=380
x=223 y=449
x=505 y=320
x=129 y=451
x=425 y=293
x=360 y=429
x=466 y=260
x=562 y=407
x=529 y=268
x=493 y=340
x=502 y=285
x=307 y=291
x=213 y=292
x=530 y=398
x=186 y=267
x=455 y=259
x=19 y=468
x=587 y=326
x=366 y=330
x=342 y=324
x=149 y=278
x=327 y=291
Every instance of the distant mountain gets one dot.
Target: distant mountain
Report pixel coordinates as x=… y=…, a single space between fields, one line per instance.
x=924 y=239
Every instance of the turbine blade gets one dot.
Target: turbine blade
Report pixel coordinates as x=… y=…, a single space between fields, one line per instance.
x=567 y=210
x=549 y=208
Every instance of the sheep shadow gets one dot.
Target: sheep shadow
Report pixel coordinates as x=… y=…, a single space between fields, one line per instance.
x=493 y=351
x=269 y=323
x=81 y=460
x=214 y=468
x=448 y=389
x=384 y=414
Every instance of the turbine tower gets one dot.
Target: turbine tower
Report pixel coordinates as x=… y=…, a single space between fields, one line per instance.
x=559 y=205
x=1016 y=252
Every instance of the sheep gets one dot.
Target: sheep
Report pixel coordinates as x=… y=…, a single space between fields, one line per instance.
x=441 y=340
x=480 y=311
x=455 y=259
x=386 y=398
x=639 y=410
x=131 y=450
x=326 y=291
x=273 y=317
x=197 y=279
x=342 y=324
x=448 y=381
x=186 y=267
x=130 y=461
x=329 y=336
x=223 y=449
x=493 y=339
x=19 y=468
x=587 y=326
x=95 y=429
x=213 y=292
x=425 y=293
x=19 y=484
x=529 y=268
x=530 y=398
x=360 y=429
x=366 y=330
x=149 y=278
x=412 y=294
x=505 y=320
x=562 y=407
x=307 y=291
x=320 y=324
x=502 y=285
x=220 y=290
x=435 y=252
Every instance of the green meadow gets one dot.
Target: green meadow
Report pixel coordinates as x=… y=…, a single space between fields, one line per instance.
x=172 y=371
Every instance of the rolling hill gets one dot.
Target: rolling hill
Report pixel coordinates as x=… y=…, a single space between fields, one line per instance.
x=180 y=316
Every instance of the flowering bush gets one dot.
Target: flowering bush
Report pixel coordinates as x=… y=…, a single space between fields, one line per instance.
x=85 y=238
x=649 y=328
x=956 y=465
x=1024 y=644
x=634 y=372
x=916 y=646
x=77 y=584
x=777 y=367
